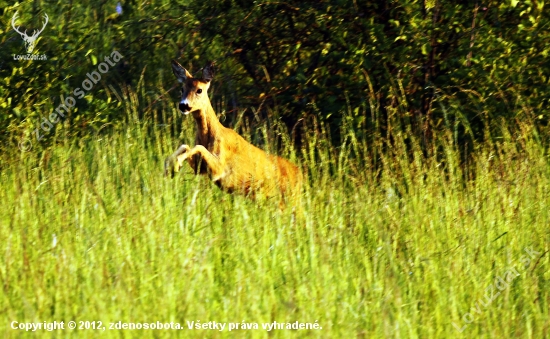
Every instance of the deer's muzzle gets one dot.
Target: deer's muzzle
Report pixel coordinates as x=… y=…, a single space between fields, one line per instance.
x=184 y=108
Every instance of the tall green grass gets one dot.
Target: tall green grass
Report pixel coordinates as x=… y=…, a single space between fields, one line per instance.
x=390 y=242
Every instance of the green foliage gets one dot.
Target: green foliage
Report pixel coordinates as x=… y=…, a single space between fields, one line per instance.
x=77 y=38
x=91 y=230
x=422 y=133
x=425 y=57
x=436 y=64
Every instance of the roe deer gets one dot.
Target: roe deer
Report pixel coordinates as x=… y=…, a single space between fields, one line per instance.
x=232 y=163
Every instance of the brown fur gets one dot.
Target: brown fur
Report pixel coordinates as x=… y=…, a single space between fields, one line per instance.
x=232 y=163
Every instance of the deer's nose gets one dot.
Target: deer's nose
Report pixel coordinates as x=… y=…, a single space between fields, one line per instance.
x=184 y=108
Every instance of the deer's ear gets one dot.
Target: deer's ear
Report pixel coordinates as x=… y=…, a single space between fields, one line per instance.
x=208 y=71
x=180 y=72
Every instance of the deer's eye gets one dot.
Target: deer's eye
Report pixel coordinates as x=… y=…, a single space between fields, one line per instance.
x=199 y=91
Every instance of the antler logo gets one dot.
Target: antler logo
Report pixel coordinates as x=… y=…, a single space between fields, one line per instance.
x=30 y=41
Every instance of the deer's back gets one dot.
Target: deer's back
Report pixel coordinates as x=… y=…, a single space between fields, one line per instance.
x=251 y=170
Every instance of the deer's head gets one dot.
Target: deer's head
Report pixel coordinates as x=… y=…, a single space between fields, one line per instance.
x=29 y=40
x=193 y=92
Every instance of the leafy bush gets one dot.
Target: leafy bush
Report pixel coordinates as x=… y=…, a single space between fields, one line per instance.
x=336 y=62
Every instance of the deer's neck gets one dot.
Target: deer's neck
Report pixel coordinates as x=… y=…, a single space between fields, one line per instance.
x=208 y=126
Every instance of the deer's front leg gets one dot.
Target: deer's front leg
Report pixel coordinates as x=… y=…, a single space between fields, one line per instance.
x=173 y=163
x=214 y=164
